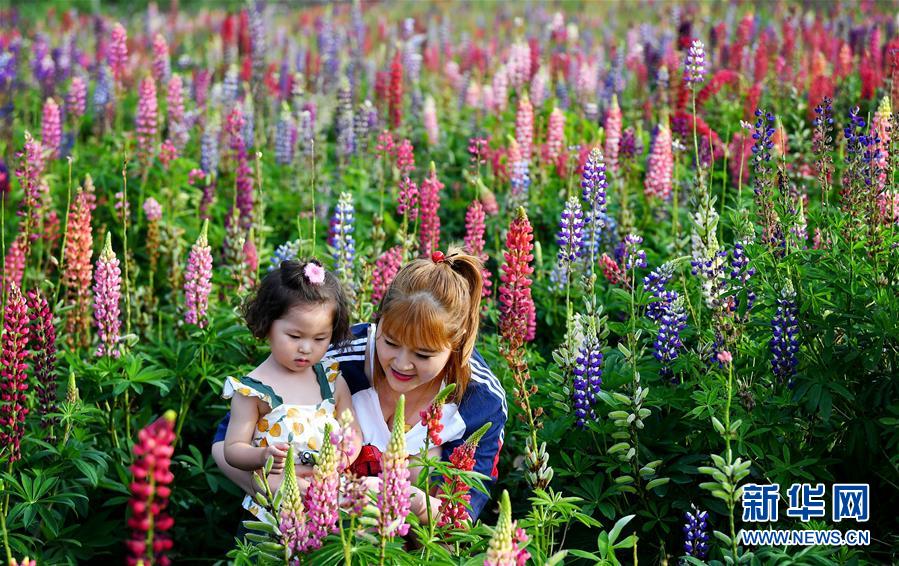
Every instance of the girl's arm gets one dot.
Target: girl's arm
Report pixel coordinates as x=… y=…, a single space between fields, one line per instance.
x=239 y=452
x=343 y=400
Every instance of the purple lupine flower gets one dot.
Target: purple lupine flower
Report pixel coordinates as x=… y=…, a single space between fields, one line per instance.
x=117 y=52
x=587 y=378
x=107 y=293
x=696 y=536
x=594 y=185
x=147 y=116
x=43 y=348
x=76 y=100
x=284 y=137
x=257 y=43
x=785 y=336
x=634 y=257
x=198 y=280
x=668 y=342
x=393 y=500
x=322 y=494
x=209 y=148
x=361 y=126
x=161 y=63
x=249 y=125
x=694 y=67
x=854 y=133
x=306 y=133
x=520 y=181
x=654 y=284
x=103 y=90
x=243 y=173
x=740 y=273
x=764 y=130
x=341 y=237
x=570 y=237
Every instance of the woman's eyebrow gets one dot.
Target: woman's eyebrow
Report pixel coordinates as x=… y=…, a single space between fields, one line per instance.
x=390 y=338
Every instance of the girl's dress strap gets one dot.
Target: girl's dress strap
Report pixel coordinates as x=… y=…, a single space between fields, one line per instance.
x=323 y=384
x=251 y=387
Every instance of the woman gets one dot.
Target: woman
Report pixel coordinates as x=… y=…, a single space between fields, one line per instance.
x=424 y=338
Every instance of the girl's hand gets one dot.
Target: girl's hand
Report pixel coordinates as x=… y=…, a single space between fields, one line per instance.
x=279 y=453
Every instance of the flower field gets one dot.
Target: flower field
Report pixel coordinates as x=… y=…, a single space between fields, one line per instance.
x=688 y=215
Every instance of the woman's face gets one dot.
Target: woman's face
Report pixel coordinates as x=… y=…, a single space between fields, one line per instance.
x=300 y=338
x=408 y=368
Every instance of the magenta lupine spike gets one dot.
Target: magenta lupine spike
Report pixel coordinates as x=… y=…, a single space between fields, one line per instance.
x=198 y=280
x=175 y=102
x=152 y=209
x=107 y=293
x=43 y=347
x=405 y=158
x=429 y=117
x=393 y=500
x=161 y=63
x=13 y=378
x=555 y=136
x=14 y=269
x=518 y=316
x=243 y=174
x=408 y=200
x=524 y=127
x=613 y=134
x=76 y=99
x=474 y=239
x=117 y=52
x=147 y=116
x=430 y=207
x=167 y=153
x=386 y=268
x=660 y=166
x=321 y=496
x=51 y=128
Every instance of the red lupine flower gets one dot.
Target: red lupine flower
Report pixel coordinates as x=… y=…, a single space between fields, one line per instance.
x=395 y=101
x=430 y=419
x=612 y=271
x=518 y=318
x=430 y=206
x=454 y=512
x=150 y=492
x=13 y=379
x=720 y=79
x=43 y=347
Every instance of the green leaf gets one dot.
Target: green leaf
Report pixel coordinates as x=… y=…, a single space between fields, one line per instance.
x=656 y=483
x=619 y=525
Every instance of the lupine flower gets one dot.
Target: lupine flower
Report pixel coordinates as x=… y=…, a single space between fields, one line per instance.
x=153 y=212
x=248 y=131
x=613 y=134
x=292 y=513
x=161 y=63
x=14 y=269
x=107 y=293
x=4 y=179
x=393 y=500
x=570 y=237
x=150 y=492
x=667 y=346
x=43 y=347
x=198 y=280
x=51 y=128
x=103 y=91
x=455 y=498
x=117 y=51
x=346 y=135
x=503 y=549
x=694 y=66
x=29 y=172
x=286 y=251
x=587 y=377
x=524 y=128
x=146 y=120
x=593 y=185
x=386 y=268
x=405 y=158
x=538 y=87
x=696 y=534
x=660 y=166
x=321 y=496
x=341 y=240
x=740 y=273
x=408 y=200
x=474 y=240
x=518 y=318
x=167 y=153
x=429 y=118
x=634 y=257
x=785 y=336
x=77 y=268
x=361 y=125
x=284 y=137
x=76 y=100
x=13 y=379
x=430 y=207
x=178 y=130
x=555 y=136
x=243 y=173
x=395 y=96
x=209 y=148
x=612 y=271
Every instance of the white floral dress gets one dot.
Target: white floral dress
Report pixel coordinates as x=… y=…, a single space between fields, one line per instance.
x=303 y=426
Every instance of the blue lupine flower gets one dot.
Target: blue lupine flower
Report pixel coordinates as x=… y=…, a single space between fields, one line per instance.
x=209 y=148
x=741 y=272
x=696 y=536
x=103 y=91
x=587 y=379
x=634 y=257
x=284 y=137
x=785 y=336
x=570 y=238
x=593 y=186
x=343 y=246
x=654 y=284
x=286 y=251
x=667 y=346
x=764 y=130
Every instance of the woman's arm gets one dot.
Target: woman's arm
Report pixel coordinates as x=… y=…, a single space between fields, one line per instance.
x=239 y=452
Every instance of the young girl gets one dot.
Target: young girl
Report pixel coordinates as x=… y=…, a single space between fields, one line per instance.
x=300 y=309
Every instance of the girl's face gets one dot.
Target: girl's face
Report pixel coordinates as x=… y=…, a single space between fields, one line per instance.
x=407 y=368
x=300 y=338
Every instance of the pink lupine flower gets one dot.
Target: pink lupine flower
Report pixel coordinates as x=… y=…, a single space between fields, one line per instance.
x=504 y=549
x=612 y=271
x=500 y=89
x=518 y=316
x=660 y=166
x=161 y=64
x=117 y=52
x=429 y=117
x=488 y=100
x=243 y=173
x=430 y=206
x=13 y=379
x=29 y=172
x=538 y=87
x=77 y=269
x=385 y=145
x=43 y=347
x=386 y=268
x=322 y=494
x=474 y=240
x=198 y=280
x=405 y=158
x=408 y=200
x=167 y=153
x=152 y=209
x=473 y=95
x=51 y=128
x=613 y=135
x=146 y=120
x=393 y=500
x=150 y=492
x=175 y=102
x=14 y=269
x=524 y=127
x=107 y=294
x=76 y=100
x=555 y=136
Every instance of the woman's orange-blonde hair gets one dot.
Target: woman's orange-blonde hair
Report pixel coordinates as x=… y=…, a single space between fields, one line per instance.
x=432 y=305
